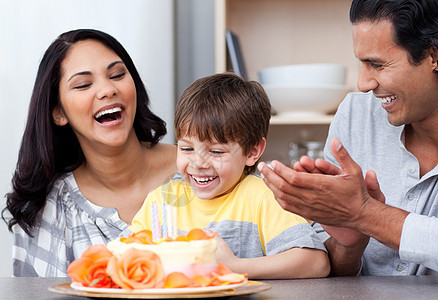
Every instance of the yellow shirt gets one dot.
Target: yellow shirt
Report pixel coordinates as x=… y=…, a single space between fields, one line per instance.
x=249 y=218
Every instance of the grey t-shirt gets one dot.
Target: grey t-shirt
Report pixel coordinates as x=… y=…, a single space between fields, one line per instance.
x=362 y=126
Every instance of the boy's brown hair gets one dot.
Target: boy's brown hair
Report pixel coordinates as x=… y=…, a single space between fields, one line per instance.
x=226 y=108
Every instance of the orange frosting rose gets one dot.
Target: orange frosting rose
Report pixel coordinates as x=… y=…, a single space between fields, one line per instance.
x=141 y=237
x=226 y=276
x=221 y=276
x=136 y=269
x=179 y=280
x=90 y=268
x=145 y=237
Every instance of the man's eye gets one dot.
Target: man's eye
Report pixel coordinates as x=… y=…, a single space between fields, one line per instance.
x=186 y=149
x=376 y=66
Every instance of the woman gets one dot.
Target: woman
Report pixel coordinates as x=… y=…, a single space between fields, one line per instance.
x=89 y=156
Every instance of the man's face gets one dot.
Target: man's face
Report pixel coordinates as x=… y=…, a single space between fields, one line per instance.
x=408 y=92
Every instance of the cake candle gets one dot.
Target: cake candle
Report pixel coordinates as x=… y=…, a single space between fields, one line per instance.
x=169 y=220
x=156 y=232
x=164 y=220
x=174 y=222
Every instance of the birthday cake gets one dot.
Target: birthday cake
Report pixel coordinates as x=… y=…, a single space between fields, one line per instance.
x=191 y=254
x=139 y=262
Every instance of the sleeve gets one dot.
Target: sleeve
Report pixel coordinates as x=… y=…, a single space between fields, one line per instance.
x=418 y=241
x=281 y=230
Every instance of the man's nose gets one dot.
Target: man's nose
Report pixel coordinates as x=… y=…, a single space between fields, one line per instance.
x=366 y=81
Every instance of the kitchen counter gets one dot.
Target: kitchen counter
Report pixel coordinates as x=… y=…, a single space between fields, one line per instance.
x=367 y=287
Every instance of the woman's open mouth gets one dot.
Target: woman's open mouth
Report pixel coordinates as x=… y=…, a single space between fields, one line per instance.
x=109 y=115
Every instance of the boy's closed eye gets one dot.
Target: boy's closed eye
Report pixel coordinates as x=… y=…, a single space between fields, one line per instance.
x=217 y=152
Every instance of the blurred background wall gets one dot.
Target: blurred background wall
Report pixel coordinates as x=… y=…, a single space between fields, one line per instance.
x=170 y=41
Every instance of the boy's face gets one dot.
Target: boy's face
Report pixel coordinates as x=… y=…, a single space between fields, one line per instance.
x=212 y=169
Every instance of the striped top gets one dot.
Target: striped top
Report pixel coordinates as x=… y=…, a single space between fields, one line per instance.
x=68 y=225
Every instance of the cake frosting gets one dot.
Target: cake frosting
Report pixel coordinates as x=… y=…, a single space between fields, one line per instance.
x=191 y=257
x=139 y=262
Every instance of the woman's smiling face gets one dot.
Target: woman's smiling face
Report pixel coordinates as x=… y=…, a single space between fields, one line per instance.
x=98 y=95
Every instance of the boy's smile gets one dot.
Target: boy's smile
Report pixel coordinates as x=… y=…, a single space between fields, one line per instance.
x=212 y=169
x=203 y=180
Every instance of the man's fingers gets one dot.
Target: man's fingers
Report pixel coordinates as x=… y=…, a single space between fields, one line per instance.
x=280 y=182
x=271 y=178
x=305 y=164
x=327 y=168
x=344 y=159
x=373 y=186
x=279 y=179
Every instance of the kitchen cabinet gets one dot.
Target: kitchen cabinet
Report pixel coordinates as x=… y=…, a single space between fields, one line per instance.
x=281 y=32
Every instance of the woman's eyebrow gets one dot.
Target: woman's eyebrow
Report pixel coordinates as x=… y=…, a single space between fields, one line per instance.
x=79 y=73
x=89 y=73
x=114 y=63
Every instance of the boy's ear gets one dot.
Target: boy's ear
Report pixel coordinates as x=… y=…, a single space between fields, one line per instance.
x=58 y=116
x=256 y=152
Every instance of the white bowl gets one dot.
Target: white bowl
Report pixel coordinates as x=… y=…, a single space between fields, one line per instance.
x=304 y=74
x=314 y=99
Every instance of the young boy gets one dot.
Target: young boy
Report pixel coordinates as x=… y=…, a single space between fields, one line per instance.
x=221 y=123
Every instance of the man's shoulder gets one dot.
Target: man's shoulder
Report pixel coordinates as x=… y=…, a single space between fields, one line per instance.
x=358 y=100
x=361 y=109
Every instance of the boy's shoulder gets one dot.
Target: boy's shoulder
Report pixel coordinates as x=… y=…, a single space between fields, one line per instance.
x=254 y=183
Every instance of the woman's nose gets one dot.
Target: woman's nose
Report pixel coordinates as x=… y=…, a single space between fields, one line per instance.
x=106 y=90
x=366 y=81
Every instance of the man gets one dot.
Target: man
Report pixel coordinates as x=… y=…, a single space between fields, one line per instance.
x=385 y=224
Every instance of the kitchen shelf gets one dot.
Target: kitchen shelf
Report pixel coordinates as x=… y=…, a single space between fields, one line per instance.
x=282 y=32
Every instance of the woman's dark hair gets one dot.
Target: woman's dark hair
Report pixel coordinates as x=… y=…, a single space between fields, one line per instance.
x=47 y=150
x=415 y=22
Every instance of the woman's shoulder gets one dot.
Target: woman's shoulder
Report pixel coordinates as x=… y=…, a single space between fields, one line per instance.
x=169 y=149
x=63 y=192
x=66 y=195
x=64 y=184
x=66 y=201
x=164 y=155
